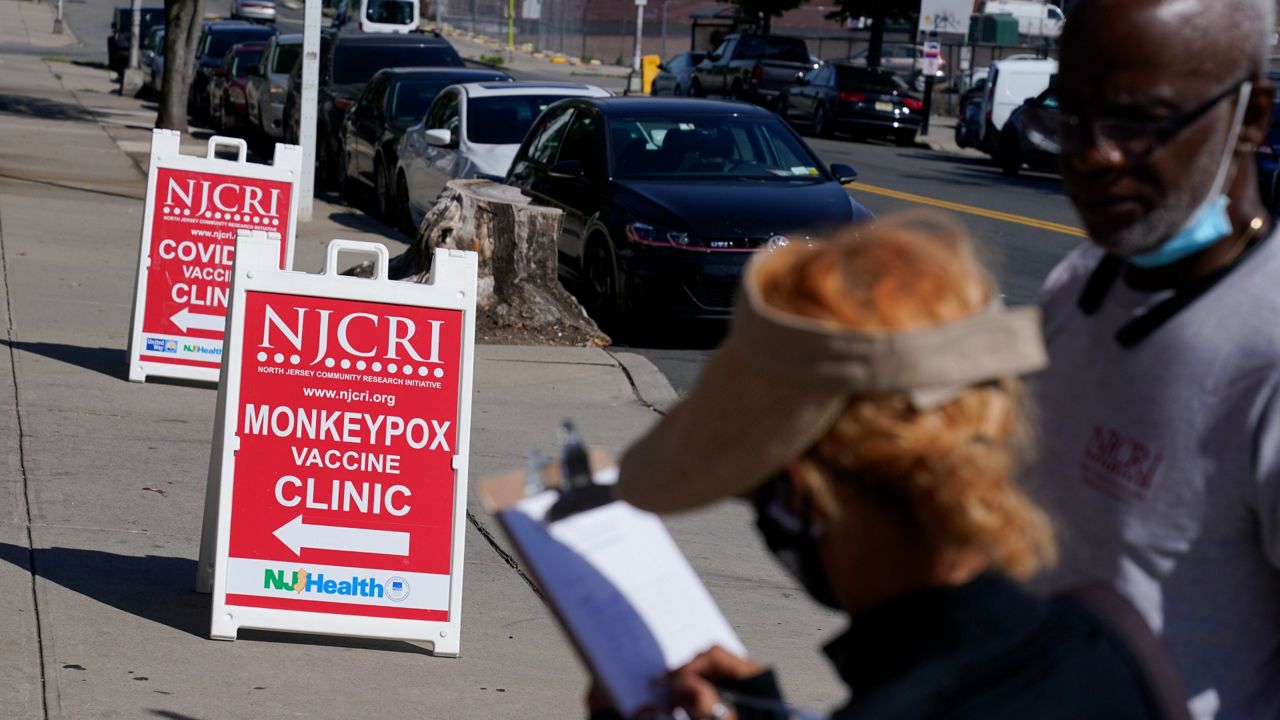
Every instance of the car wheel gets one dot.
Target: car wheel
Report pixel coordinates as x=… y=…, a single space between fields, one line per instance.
x=1010 y=155
x=323 y=170
x=695 y=89
x=676 y=90
x=601 y=283
x=404 y=216
x=905 y=138
x=821 y=125
x=737 y=92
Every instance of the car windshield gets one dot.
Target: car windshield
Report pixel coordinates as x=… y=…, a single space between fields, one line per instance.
x=150 y=18
x=411 y=97
x=286 y=56
x=504 y=119
x=709 y=147
x=216 y=44
x=865 y=78
x=244 y=61
x=358 y=63
x=394 y=12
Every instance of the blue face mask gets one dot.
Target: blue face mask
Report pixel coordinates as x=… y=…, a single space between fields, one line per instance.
x=1210 y=222
x=1206 y=226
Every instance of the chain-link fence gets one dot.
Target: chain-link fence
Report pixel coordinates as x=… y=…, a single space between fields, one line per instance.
x=602 y=30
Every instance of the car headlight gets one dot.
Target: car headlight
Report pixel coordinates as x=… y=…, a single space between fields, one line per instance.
x=646 y=234
x=237 y=95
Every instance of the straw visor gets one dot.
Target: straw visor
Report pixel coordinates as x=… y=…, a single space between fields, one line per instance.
x=779 y=382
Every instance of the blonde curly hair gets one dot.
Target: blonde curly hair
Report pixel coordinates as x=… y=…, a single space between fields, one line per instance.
x=945 y=474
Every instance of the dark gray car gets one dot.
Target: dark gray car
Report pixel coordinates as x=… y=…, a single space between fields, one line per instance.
x=675 y=76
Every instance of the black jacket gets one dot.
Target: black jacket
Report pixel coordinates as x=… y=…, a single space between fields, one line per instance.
x=981 y=651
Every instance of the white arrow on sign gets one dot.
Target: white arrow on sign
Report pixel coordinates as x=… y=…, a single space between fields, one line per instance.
x=186 y=319
x=298 y=535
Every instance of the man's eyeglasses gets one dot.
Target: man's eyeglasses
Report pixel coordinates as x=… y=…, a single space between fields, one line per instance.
x=1135 y=140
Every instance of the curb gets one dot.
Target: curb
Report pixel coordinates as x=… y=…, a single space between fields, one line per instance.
x=651 y=386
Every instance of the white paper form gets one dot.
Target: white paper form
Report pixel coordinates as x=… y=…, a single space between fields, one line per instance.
x=624 y=591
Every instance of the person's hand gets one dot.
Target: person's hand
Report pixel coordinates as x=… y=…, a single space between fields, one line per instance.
x=692 y=687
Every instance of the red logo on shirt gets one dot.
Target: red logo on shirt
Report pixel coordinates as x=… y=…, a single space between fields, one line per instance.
x=1118 y=465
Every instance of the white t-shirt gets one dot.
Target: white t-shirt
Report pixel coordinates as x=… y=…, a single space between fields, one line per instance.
x=1160 y=465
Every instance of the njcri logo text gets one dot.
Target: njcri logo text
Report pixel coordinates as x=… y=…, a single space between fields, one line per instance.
x=359 y=334
x=301 y=581
x=229 y=199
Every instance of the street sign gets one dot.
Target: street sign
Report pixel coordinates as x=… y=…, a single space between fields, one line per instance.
x=195 y=206
x=932 y=59
x=336 y=501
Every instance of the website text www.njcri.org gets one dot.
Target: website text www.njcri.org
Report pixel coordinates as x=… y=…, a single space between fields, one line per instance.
x=351 y=396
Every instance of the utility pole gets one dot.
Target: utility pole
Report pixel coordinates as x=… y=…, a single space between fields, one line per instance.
x=439 y=16
x=665 y=3
x=307 y=107
x=635 y=62
x=131 y=78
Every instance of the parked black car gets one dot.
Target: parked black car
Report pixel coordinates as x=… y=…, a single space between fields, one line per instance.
x=215 y=40
x=1018 y=147
x=851 y=99
x=665 y=200
x=394 y=99
x=347 y=61
x=122 y=30
x=675 y=76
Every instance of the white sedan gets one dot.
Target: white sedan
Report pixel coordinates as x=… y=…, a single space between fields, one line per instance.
x=470 y=131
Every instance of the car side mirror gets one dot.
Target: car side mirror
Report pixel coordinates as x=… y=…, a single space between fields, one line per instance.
x=844 y=174
x=567 y=170
x=662 y=67
x=440 y=137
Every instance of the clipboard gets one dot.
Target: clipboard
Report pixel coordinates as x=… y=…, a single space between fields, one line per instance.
x=625 y=595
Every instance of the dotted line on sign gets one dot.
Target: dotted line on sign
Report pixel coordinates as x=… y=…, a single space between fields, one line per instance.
x=345 y=364
x=233 y=217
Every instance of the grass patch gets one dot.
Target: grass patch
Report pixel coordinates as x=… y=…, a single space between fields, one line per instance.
x=496 y=60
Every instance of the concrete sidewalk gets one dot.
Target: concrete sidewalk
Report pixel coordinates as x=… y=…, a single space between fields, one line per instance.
x=102 y=481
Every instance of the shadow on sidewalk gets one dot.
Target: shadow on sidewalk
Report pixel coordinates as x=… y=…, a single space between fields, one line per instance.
x=42 y=108
x=153 y=588
x=159 y=589
x=357 y=220
x=112 y=362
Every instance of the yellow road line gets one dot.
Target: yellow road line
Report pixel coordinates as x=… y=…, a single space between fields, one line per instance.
x=970 y=210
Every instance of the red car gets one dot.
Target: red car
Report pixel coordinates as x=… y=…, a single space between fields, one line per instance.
x=230 y=111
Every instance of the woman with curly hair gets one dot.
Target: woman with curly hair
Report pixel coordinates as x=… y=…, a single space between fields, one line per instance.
x=866 y=403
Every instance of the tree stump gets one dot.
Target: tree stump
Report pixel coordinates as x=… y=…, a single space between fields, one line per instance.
x=519 y=285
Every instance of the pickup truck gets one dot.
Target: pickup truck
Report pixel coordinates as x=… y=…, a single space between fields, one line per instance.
x=754 y=68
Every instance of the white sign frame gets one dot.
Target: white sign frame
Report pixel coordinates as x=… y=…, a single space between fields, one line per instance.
x=932 y=60
x=451 y=286
x=166 y=154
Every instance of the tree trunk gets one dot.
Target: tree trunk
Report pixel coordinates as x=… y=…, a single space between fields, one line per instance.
x=183 y=18
x=876 y=49
x=519 y=285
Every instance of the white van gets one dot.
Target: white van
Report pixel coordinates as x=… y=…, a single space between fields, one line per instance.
x=1037 y=19
x=379 y=16
x=1009 y=83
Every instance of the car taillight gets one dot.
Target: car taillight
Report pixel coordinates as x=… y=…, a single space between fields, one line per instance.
x=343 y=103
x=852 y=97
x=913 y=104
x=757 y=72
x=216 y=72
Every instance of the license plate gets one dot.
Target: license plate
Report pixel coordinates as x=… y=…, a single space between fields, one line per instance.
x=884 y=106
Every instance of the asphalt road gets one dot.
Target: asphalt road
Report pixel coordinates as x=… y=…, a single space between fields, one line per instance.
x=1022 y=225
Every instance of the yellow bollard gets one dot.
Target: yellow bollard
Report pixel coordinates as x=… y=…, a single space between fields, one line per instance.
x=648 y=71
